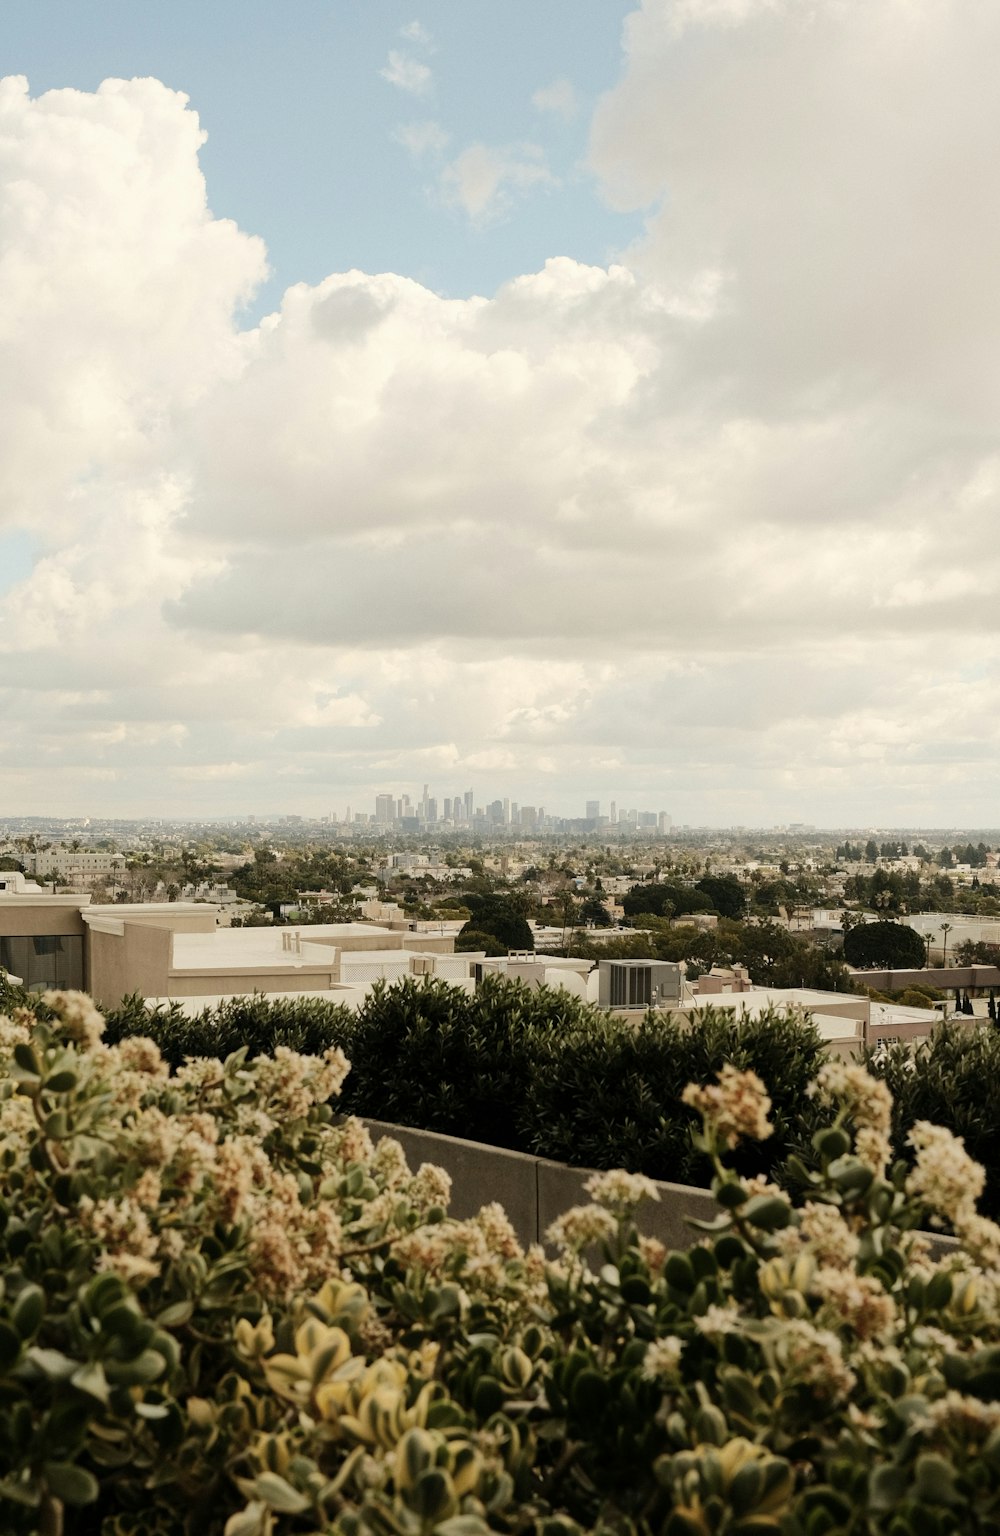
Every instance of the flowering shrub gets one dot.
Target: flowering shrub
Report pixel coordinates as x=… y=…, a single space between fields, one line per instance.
x=225 y=1313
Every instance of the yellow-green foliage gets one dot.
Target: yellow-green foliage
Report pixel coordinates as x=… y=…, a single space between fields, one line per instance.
x=224 y=1313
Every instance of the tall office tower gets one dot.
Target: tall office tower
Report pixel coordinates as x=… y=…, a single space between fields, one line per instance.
x=494 y=812
x=459 y=808
x=399 y=809
x=347 y=818
x=515 y=815
x=541 y=816
x=666 y=822
x=447 y=808
x=468 y=804
x=529 y=817
x=385 y=810
x=632 y=817
x=506 y=810
x=613 y=818
x=430 y=809
x=593 y=809
x=423 y=804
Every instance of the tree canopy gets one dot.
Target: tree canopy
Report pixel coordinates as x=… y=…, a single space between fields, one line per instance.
x=889 y=946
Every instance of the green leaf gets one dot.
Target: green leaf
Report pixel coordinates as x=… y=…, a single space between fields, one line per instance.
x=52 y=1363
x=279 y=1495
x=679 y=1273
x=251 y=1521
x=832 y=1143
x=26 y=1059
x=589 y=1393
x=10 y=1346
x=148 y=1366
x=768 y=1212
x=72 y=1484
x=63 y=1081
x=90 y=1378
x=487 y=1397
x=939 y=1291
x=28 y=1311
x=935 y=1480
x=176 y=1315
x=886 y=1488
x=433 y=1495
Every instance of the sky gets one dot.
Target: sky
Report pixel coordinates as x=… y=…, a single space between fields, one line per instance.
x=584 y=401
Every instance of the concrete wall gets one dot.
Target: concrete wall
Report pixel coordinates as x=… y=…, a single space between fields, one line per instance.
x=945 y=978
x=534 y=1191
x=32 y=917
x=245 y=980
x=135 y=960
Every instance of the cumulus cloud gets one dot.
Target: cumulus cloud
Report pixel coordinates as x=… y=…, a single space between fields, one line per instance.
x=482 y=180
x=711 y=528
x=559 y=98
x=425 y=137
x=406 y=73
x=416 y=32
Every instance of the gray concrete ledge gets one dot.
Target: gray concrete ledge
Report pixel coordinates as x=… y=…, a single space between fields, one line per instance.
x=534 y=1191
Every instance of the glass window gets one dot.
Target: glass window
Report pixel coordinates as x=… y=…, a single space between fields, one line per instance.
x=44 y=960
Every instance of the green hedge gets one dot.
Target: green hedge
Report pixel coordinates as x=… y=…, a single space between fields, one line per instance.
x=535 y=1071
x=544 y=1073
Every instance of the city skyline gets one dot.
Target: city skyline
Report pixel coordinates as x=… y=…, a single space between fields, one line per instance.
x=597 y=400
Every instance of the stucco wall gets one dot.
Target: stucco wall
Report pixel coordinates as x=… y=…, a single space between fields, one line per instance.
x=135 y=960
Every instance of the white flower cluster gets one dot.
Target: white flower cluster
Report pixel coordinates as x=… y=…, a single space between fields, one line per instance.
x=737 y=1106
x=823 y=1229
x=580 y=1226
x=619 y=1190
x=662 y=1359
x=77 y=1015
x=943 y=1176
x=868 y=1103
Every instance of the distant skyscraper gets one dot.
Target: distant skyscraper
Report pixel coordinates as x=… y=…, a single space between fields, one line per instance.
x=666 y=822
x=613 y=818
x=447 y=808
x=430 y=809
x=468 y=804
x=593 y=809
x=506 y=811
x=385 y=809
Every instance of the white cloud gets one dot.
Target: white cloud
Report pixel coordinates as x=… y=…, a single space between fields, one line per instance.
x=406 y=73
x=713 y=529
x=559 y=98
x=416 y=32
x=421 y=138
x=482 y=180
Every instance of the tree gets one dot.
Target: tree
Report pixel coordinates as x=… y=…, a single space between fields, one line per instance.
x=501 y=916
x=594 y=911
x=725 y=893
x=883 y=945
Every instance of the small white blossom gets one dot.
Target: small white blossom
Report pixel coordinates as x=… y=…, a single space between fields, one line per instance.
x=662 y=1359
x=616 y=1188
